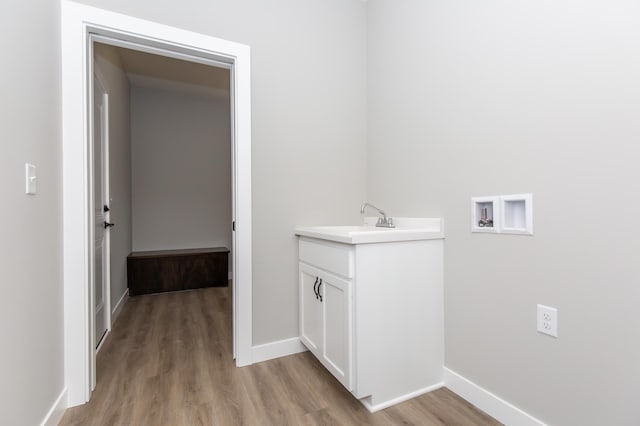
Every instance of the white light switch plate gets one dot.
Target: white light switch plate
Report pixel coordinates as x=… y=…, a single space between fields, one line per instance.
x=31 y=179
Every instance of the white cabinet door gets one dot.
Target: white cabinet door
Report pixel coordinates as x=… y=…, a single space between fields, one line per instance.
x=337 y=345
x=310 y=309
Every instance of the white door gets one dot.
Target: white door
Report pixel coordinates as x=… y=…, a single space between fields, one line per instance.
x=100 y=209
x=310 y=309
x=234 y=268
x=335 y=296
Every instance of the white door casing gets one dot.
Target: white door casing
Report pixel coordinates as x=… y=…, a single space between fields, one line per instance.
x=79 y=23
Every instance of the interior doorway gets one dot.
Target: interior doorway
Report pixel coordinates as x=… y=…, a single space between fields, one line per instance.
x=80 y=26
x=170 y=162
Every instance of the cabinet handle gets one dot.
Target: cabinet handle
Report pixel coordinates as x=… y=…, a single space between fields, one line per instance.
x=314 y=288
x=319 y=285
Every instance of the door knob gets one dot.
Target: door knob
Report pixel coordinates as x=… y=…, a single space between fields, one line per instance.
x=105 y=208
x=108 y=225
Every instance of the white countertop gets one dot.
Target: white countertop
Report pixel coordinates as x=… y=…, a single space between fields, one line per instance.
x=407 y=229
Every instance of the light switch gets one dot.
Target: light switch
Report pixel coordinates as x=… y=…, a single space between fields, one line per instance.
x=31 y=179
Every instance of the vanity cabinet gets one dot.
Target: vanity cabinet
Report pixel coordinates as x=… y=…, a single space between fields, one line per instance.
x=325 y=320
x=372 y=313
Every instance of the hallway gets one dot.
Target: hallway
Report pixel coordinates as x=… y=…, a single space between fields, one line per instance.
x=168 y=362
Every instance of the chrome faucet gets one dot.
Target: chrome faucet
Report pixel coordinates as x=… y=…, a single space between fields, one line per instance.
x=383 y=220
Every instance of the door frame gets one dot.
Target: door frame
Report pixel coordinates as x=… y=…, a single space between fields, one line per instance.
x=78 y=23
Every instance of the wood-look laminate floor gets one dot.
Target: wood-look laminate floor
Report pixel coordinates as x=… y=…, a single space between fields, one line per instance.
x=169 y=361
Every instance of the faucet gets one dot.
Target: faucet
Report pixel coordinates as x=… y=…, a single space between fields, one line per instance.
x=383 y=220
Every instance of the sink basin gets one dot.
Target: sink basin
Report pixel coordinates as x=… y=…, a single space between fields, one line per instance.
x=407 y=229
x=353 y=229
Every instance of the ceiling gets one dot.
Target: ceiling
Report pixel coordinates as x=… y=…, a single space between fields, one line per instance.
x=145 y=69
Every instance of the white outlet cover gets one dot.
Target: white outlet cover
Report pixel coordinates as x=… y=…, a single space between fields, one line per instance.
x=547 y=320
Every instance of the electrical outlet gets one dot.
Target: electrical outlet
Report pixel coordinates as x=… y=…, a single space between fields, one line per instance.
x=548 y=320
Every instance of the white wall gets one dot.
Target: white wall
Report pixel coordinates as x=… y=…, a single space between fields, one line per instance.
x=109 y=66
x=308 y=120
x=31 y=318
x=181 y=168
x=464 y=99
x=502 y=97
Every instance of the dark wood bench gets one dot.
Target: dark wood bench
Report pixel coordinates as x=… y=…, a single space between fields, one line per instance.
x=173 y=270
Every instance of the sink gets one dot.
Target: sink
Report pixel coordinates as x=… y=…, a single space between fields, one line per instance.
x=353 y=228
x=407 y=229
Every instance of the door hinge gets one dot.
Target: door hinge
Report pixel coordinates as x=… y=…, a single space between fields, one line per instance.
x=233 y=225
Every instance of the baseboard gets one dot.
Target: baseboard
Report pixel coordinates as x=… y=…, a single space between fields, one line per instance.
x=491 y=404
x=56 y=411
x=373 y=408
x=277 y=349
x=118 y=308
